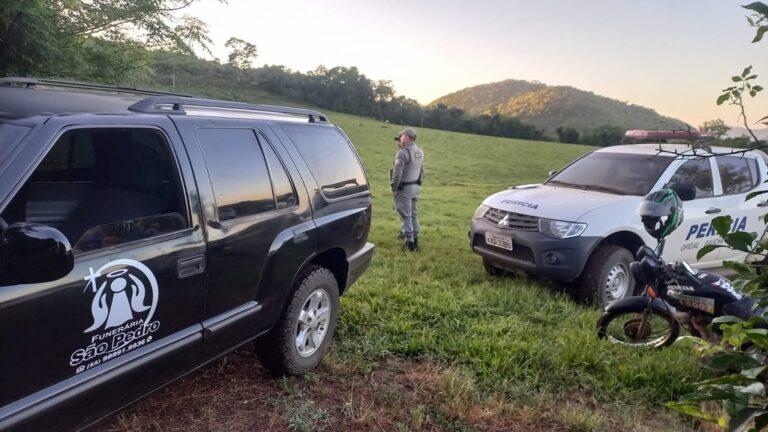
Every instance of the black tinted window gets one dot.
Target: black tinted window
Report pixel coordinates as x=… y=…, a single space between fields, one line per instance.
x=285 y=195
x=737 y=174
x=621 y=173
x=331 y=159
x=238 y=172
x=103 y=187
x=697 y=173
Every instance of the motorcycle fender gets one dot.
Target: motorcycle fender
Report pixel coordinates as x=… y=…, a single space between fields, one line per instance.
x=638 y=304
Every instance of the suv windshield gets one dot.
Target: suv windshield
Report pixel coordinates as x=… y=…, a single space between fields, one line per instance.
x=617 y=173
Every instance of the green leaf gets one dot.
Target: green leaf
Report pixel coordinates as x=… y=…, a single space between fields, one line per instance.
x=741 y=421
x=724 y=97
x=754 y=194
x=738 y=267
x=735 y=78
x=758 y=7
x=722 y=362
x=752 y=373
x=693 y=410
x=729 y=319
x=756 y=388
x=746 y=71
x=752 y=93
x=757 y=88
x=722 y=225
x=707 y=249
x=740 y=240
x=759 y=34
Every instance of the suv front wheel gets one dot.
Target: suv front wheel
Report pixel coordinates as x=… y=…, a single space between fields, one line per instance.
x=300 y=339
x=607 y=276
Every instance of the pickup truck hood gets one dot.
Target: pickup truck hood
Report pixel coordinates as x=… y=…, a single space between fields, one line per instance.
x=553 y=202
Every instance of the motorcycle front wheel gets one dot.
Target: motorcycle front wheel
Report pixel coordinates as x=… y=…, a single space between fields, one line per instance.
x=648 y=329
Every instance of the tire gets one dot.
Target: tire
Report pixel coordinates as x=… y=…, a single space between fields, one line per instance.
x=628 y=324
x=491 y=269
x=607 y=264
x=314 y=290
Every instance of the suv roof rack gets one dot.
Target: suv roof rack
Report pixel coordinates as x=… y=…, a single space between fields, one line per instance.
x=177 y=105
x=35 y=82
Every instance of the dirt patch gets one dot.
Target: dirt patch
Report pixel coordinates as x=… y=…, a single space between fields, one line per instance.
x=236 y=394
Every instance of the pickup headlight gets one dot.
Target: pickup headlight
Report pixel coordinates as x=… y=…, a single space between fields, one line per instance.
x=561 y=229
x=481 y=211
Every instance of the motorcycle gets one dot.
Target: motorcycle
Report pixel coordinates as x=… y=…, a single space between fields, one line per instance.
x=673 y=295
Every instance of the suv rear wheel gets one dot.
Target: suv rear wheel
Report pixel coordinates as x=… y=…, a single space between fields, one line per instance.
x=607 y=276
x=300 y=339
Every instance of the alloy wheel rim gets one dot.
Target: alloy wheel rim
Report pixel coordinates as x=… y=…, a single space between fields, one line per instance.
x=617 y=282
x=312 y=325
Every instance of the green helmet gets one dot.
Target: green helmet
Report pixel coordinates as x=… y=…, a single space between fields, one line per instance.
x=661 y=212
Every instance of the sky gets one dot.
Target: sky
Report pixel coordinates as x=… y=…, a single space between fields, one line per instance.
x=670 y=55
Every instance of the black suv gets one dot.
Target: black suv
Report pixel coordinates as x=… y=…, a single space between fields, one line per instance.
x=145 y=234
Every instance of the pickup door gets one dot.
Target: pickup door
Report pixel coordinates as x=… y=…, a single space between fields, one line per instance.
x=685 y=242
x=127 y=318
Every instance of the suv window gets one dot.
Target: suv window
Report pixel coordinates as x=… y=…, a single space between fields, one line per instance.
x=104 y=186
x=285 y=194
x=698 y=173
x=238 y=172
x=331 y=159
x=737 y=174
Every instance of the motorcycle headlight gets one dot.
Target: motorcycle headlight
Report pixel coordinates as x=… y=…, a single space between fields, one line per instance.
x=481 y=211
x=561 y=229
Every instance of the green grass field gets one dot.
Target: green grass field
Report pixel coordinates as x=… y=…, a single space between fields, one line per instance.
x=515 y=337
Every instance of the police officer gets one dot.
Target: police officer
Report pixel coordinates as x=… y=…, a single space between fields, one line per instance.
x=407 y=171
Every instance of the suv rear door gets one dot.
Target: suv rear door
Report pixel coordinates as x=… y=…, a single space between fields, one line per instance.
x=257 y=221
x=127 y=318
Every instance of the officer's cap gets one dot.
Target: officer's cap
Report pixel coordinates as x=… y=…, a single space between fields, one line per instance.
x=408 y=132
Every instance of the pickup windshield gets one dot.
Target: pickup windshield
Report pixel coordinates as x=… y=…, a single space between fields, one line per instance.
x=616 y=173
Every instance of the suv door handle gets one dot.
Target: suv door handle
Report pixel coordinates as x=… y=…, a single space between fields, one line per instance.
x=763 y=204
x=191 y=266
x=712 y=210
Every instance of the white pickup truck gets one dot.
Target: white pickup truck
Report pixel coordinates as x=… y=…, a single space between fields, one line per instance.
x=580 y=225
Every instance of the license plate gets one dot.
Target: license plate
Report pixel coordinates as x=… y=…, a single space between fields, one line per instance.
x=499 y=241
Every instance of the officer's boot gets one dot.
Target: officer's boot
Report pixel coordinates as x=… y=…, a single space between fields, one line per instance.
x=409 y=245
x=416 y=240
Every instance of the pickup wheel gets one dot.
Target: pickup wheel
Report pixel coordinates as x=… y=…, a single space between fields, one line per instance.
x=607 y=276
x=301 y=337
x=491 y=269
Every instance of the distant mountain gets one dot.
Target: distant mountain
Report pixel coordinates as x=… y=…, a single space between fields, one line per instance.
x=549 y=107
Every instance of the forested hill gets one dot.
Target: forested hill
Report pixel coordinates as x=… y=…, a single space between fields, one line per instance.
x=550 y=107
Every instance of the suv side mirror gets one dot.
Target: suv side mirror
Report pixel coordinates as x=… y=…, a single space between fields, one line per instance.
x=34 y=253
x=686 y=191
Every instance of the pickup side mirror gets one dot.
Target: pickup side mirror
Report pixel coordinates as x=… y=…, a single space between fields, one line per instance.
x=553 y=172
x=686 y=191
x=34 y=253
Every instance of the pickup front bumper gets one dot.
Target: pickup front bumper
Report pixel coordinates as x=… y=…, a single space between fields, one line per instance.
x=534 y=253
